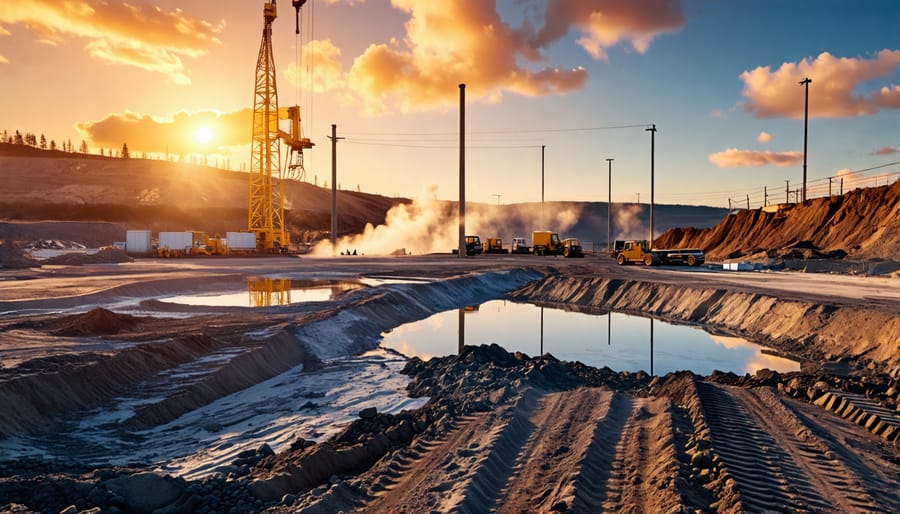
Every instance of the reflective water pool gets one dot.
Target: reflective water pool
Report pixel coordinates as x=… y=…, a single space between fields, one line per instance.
x=267 y=292
x=618 y=341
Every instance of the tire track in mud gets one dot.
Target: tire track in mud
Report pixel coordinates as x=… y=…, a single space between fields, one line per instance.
x=830 y=479
x=645 y=466
x=750 y=455
x=781 y=460
x=548 y=465
x=457 y=472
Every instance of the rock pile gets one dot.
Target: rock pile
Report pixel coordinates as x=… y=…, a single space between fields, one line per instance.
x=12 y=257
x=106 y=255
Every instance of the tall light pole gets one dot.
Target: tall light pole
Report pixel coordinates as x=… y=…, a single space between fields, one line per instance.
x=609 y=208
x=652 y=131
x=805 y=82
x=461 y=249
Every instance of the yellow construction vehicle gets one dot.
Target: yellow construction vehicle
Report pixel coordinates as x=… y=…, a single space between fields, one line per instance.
x=544 y=242
x=494 y=245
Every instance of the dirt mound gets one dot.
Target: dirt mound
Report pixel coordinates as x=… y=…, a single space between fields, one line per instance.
x=106 y=255
x=95 y=322
x=12 y=257
x=862 y=224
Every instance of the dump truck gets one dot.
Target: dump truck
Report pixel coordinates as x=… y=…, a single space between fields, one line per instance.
x=572 y=247
x=494 y=245
x=545 y=242
x=639 y=251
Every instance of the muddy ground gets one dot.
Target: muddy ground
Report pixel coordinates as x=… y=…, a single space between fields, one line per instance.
x=500 y=432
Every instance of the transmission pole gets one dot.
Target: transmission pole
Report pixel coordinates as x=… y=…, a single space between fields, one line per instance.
x=787 y=191
x=609 y=208
x=461 y=251
x=805 y=82
x=652 y=131
x=334 y=139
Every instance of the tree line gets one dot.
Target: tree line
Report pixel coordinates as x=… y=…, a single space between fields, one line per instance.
x=30 y=139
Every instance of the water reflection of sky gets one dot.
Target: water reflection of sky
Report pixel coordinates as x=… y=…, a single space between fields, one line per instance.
x=619 y=341
x=268 y=292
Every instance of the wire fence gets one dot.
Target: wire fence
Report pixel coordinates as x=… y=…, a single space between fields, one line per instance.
x=792 y=191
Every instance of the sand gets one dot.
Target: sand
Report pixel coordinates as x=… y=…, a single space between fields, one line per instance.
x=283 y=410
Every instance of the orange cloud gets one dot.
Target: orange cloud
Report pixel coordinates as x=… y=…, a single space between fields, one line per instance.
x=145 y=37
x=607 y=23
x=764 y=137
x=323 y=57
x=447 y=43
x=734 y=158
x=175 y=134
x=831 y=93
x=886 y=150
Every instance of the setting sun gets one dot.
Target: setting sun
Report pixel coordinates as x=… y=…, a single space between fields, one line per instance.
x=203 y=135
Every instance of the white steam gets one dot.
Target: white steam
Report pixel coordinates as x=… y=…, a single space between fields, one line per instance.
x=429 y=226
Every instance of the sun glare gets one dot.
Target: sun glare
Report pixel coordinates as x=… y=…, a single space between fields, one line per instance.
x=203 y=135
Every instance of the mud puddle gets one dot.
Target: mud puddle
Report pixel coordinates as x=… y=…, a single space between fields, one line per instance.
x=618 y=341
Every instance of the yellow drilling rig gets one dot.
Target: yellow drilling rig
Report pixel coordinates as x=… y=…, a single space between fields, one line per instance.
x=265 y=216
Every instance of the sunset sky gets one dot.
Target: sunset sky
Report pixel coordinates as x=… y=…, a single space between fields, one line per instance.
x=585 y=78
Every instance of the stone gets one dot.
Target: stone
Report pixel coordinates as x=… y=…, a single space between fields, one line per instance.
x=146 y=492
x=368 y=413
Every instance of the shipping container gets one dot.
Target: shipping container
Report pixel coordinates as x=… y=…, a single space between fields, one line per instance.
x=177 y=242
x=241 y=241
x=137 y=242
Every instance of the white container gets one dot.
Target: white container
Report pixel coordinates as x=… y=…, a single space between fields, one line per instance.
x=738 y=266
x=176 y=241
x=241 y=241
x=137 y=242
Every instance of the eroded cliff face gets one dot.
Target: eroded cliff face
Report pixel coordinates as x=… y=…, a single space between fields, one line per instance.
x=862 y=224
x=807 y=330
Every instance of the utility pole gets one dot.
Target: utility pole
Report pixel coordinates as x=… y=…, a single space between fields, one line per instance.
x=638 y=198
x=542 y=187
x=652 y=131
x=765 y=195
x=805 y=82
x=461 y=251
x=609 y=208
x=748 y=202
x=334 y=139
x=829 y=187
x=787 y=191
x=729 y=206
x=498 y=195
x=842 y=186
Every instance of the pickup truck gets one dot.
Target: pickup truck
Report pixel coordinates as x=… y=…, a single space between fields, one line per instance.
x=640 y=252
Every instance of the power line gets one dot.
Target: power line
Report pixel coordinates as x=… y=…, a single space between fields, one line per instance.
x=403 y=145
x=508 y=131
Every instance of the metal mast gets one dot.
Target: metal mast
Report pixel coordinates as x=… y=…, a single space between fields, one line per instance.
x=265 y=215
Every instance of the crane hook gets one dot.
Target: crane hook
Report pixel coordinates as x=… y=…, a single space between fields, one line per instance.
x=297 y=5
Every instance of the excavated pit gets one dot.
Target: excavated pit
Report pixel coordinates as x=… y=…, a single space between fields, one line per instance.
x=198 y=395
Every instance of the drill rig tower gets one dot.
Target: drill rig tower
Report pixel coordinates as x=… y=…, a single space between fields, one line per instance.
x=265 y=216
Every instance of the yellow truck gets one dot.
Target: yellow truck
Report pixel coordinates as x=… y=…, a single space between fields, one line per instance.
x=640 y=252
x=545 y=242
x=494 y=245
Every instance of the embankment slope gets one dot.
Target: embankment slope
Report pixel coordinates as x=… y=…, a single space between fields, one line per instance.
x=862 y=224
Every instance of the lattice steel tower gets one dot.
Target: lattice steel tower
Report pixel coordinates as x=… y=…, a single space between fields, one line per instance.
x=265 y=215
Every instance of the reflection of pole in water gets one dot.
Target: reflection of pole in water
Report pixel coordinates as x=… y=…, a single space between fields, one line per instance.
x=609 y=328
x=651 y=346
x=541 y=353
x=462 y=329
